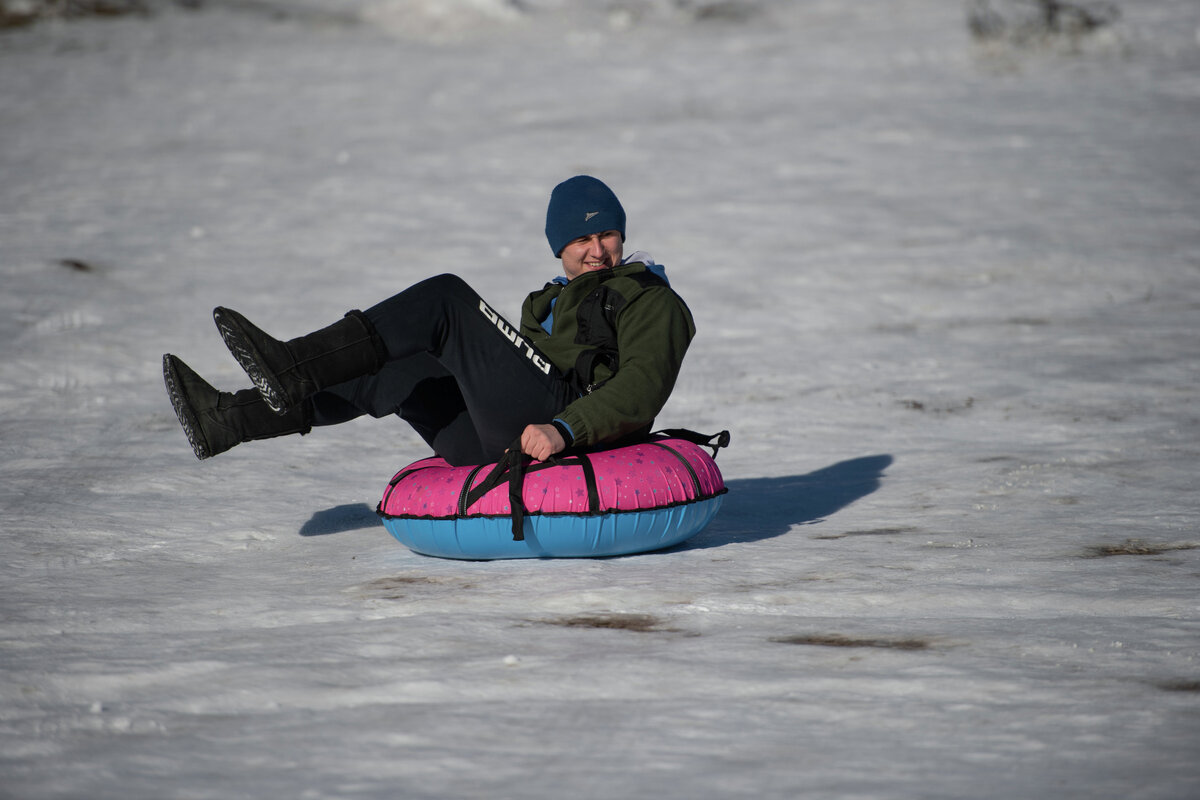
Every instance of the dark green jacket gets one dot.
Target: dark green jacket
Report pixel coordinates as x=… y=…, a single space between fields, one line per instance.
x=619 y=336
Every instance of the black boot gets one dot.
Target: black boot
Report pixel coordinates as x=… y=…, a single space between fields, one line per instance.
x=288 y=372
x=216 y=421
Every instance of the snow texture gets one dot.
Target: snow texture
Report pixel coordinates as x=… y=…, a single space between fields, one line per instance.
x=948 y=300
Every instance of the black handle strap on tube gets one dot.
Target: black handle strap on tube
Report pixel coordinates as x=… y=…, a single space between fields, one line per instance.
x=716 y=440
x=510 y=468
x=516 y=487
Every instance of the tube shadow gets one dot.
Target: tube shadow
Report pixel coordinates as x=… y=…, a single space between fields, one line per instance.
x=762 y=508
x=348 y=517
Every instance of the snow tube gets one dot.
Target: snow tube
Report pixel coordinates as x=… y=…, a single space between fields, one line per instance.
x=645 y=496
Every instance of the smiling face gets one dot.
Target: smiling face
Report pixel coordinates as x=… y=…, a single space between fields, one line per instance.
x=590 y=253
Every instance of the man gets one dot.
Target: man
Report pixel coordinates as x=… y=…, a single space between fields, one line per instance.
x=593 y=362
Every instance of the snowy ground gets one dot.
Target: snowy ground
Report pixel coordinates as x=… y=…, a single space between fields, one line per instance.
x=949 y=307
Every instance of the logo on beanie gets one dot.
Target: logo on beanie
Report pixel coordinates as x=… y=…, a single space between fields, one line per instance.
x=588 y=216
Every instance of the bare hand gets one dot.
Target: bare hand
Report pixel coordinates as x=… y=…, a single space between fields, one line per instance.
x=542 y=441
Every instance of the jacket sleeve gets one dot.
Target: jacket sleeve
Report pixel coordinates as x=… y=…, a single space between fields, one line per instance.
x=653 y=334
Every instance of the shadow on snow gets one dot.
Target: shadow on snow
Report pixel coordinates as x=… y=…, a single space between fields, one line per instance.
x=762 y=508
x=754 y=509
x=348 y=517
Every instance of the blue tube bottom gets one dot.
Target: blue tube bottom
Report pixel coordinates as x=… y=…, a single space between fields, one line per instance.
x=555 y=536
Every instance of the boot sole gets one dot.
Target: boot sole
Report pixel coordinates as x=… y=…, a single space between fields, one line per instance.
x=183 y=410
x=250 y=360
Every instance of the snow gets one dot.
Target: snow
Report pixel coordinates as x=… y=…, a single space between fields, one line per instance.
x=947 y=295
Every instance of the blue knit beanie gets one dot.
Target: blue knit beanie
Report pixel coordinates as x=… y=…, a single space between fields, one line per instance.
x=581 y=206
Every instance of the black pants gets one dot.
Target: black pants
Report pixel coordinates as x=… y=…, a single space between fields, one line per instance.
x=462 y=376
